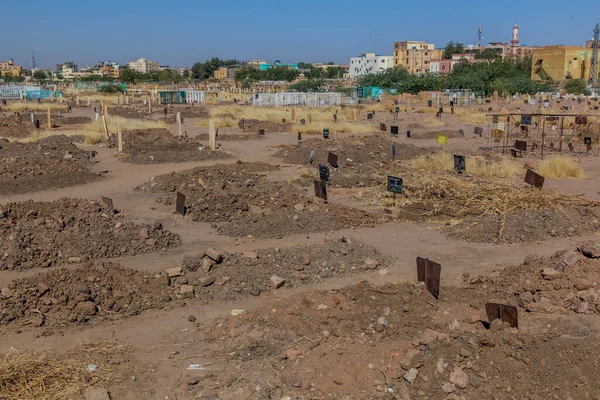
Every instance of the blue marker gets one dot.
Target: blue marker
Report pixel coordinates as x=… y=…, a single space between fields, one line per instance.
x=310 y=157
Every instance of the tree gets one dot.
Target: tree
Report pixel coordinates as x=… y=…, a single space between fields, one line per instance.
x=453 y=48
x=205 y=70
x=488 y=54
x=164 y=75
x=60 y=77
x=309 y=85
x=39 y=75
x=334 y=73
x=330 y=63
x=577 y=87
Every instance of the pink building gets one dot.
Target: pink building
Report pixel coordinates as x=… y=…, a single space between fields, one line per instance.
x=443 y=67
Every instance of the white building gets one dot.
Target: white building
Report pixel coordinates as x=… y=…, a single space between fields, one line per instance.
x=143 y=65
x=369 y=63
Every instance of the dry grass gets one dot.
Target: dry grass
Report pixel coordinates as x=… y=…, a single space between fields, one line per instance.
x=560 y=167
x=340 y=127
x=39 y=375
x=30 y=106
x=305 y=173
x=475 y=165
x=469 y=116
x=431 y=122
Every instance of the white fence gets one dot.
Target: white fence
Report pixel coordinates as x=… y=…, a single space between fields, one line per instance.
x=11 y=92
x=194 y=96
x=297 y=99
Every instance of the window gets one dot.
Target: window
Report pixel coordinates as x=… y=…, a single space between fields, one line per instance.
x=426 y=53
x=407 y=52
x=396 y=53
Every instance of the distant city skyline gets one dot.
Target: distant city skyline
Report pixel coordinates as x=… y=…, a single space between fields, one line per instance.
x=180 y=33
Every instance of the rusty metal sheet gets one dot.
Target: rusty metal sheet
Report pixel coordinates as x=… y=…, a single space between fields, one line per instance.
x=580 y=120
x=534 y=179
x=429 y=272
x=521 y=145
x=478 y=131
x=108 y=201
x=332 y=159
x=503 y=312
x=382 y=127
x=299 y=137
x=180 y=204
x=321 y=190
x=261 y=132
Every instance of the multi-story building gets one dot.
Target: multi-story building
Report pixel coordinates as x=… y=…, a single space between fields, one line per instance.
x=231 y=70
x=369 y=63
x=143 y=65
x=67 y=65
x=8 y=68
x=221 y=73
x=443 y=67
x=111 y=71
x=559 y=63
x=415 y=56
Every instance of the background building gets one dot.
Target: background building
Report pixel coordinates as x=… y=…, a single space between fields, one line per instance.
x=67 y=65
x=559 y=63
x=369 y=63
x=8 y=68
x=443 y=67
x=143 y=65
x=415 y=56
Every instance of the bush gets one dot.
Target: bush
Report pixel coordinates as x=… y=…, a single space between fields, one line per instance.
x=110 y=89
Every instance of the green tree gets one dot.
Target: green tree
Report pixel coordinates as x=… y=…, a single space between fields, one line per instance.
x=205 y=70
x=577 y=87
x=60 y=77
x=453 y=48
x=334 y=73
x=487 y=54
x=164 y=75
x=39 y=75
x=309 y=85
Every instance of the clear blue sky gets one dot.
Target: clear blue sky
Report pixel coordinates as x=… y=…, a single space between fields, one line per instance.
x=179 y=33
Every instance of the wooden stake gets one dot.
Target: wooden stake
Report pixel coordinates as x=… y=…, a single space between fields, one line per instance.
x=179 y=122
x=105 y=126
x=119 y=135
x=212 y=137
x=49 y=120
x=149 y=106
x=294 y=114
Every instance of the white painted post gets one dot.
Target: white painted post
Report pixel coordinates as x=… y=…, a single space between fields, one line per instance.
x=119 y=135
x=179 y=122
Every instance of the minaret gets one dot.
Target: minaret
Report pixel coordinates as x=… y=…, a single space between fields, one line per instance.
x=514 y=43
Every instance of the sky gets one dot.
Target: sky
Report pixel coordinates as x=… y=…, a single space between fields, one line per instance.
x=179 y=33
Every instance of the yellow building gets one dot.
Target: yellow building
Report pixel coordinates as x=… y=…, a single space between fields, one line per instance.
x=221 y=73
x=558 y=63
x=8 y=68
x=109 y=70
x=415 y=56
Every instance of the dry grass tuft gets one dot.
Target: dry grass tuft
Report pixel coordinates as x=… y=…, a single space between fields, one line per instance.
x=476 y=165
x=431 y=122
x=39 y=375
x=305 y=173
x=560 y=167
x=469 y=116
x=27 y=106
x=340 y=127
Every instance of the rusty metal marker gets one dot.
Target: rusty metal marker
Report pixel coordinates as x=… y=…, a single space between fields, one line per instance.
x=321 y=190
x=429 y=272
x=180 y=204
x=332 y=159
x=534 y=179
x=502 y=312
x=108 y=201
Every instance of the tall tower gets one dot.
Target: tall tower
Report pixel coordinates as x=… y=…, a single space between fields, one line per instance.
x=514 y=43
x=33 y=66
x=479 y=35
x=594 y=64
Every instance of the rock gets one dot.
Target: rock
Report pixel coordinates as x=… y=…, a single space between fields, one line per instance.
x=207 y=281
x=550 y=274
x=251 y=255
x=591 y=251
x=42 y=288
x=192 y=318
x=322 y=307
x=582 y=307
x=292 y=354
x=223 y=281
x=6 y=292
x=68 y=156
x=430 y=336
x=383 y=272
x=459 y=378
x=151 y=242
x=411 y=375
x=85 y=308
x=143 y=233
x=207 y=265
x=588 y=295
x=454 y=325
x=173 y=272
x=448 y=387
x=299 y=207
x=214 y=255
x=37 y=321
x=191 y=263
x=411 y=359
x=370 y=263
x=295 y=217
x=186 y=292
x=346 y=239
x=92 y=393
x=305 y=258
x=571 y=258
x=440 y=365
x=276 y=281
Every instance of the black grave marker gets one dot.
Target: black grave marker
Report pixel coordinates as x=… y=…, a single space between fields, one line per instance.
x=503 y=312
x=429 y=272
x=460 y=165
x=326 y=133
x=180 y=204
x=394 y=130
x=394 y=184
x=534 y=179
x=332 y=159
x=324 y=173
x=321 y=190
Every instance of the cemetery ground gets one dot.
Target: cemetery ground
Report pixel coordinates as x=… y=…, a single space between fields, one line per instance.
x=264 y=291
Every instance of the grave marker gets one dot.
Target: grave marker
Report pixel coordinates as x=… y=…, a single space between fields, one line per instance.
x=326 y=133
x=212 y=136
x=459 y=164
x=393 y=152
x=299 y=138
x=310 y=156
x=109 y=203
x=324 y=173
x=429 y=272
x=394 y=131
x=261 y=132
x=321 y=190
x=580 y=120
x=503 y=312
x=332 y=159
x=179 y=122
x=382 y=127
x=180 y=204
x=534 y=179
x=442 y=140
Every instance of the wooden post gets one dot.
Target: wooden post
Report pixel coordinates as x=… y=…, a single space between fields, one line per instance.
x=49 y=119
x=102 y=106
x=294 y=114
x=127 y=100
x=105 y=126
x=354 y=115
x=179 y=122
x=105 y=110
x=78 y=102
x=89 y=101
x=119 y=135
x=212 y=137
x=149 y=106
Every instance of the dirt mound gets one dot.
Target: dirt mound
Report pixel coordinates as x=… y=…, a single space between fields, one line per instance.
x=48 y=234
x=129 y=112
x=230 y=137
x=155 y=146
x=269 y=127
x=245 y=202
x=528 y=226
x=15 y=126
x=398 y=342
x=450 y=134
x=194 y=112
x=62 y=120
x=52 y=162
x=414 y=126
x=103 y=291
x=362 y=161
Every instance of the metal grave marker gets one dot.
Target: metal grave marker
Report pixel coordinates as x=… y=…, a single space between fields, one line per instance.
x=394 y=130
x=478 y=131
x=503 y=312
x=321 y=190
x=299 y=138
x=460 y=165
x=180 y=204
x=393 y=152
x=324 y=173
x=430 y=273
x=332 y=159
x=325 y=133
x=394 y=184
x=311 y=156
x=108 y=201
x=534 y=179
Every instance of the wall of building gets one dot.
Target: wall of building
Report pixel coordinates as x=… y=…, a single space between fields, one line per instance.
x=415 y=56
x=560 y=63
x=369 y=63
